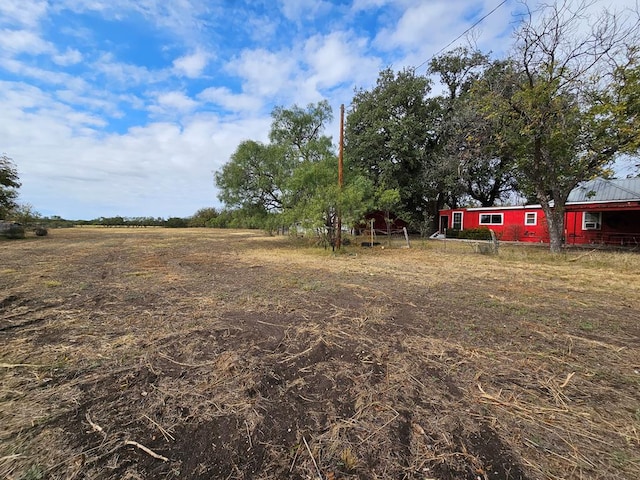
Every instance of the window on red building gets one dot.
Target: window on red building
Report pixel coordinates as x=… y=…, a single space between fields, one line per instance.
x=457 y=221
x=531 y=218
x=491 y=219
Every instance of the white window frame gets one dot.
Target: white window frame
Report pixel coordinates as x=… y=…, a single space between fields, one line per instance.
x=590 y=224
x=453 y=220
x=534 y=219
x=491 y=222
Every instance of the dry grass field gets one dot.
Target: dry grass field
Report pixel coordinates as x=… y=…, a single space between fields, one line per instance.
x=204 y=354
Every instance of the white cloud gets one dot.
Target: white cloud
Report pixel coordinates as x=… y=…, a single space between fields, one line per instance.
x=172 y=104
x=298 y=10
x=267 y=74
x=424 y=29
x=185 y=18
x=191 y=65
x=70 y=57
x=43 y=75
x=233 y=102
x=105 y=102
x=369 y=4
x=427 y=22
x=338 y=58
x=23 y=41
x=69 y=167
x=25 y=105
x=158 y=170
x=126 y=75
x=261 y=28
x=27 y=13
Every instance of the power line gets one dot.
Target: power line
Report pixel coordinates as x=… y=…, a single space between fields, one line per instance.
x=460 y=36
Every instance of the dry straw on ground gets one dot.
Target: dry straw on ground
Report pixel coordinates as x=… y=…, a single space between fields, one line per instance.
x=154 y=353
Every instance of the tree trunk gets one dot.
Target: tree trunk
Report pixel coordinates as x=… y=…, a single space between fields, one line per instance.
x=555 y=223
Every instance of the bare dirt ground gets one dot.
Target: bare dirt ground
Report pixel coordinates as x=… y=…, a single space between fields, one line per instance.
x=204 y=354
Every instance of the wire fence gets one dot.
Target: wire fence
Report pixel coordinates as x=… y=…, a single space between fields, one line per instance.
x=386 y=238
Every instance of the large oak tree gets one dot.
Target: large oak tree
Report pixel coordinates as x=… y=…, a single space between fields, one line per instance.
x=470 y=149
x=560 y=64
x=390 y=138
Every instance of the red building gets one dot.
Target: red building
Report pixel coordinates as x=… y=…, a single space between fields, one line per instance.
x=598 y=211
x=380 y=226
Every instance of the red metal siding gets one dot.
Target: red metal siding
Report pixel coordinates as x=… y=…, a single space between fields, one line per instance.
x=619 y=224
x=380 y=224
x=616 y=227
x=512 y=228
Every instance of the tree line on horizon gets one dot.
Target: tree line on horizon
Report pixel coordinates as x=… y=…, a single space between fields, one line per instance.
x=209 y=217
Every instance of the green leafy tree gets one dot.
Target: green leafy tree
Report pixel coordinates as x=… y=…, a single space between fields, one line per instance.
x=618 y=107
x=249 y=217
x=176 y=222
x=553 y=128
x=317 y=198
x=9 y=185
x=457 y=70
x=390 y=138
x=472 y=142
x=255 y=176
x=298 y=133
x=313 y=197
x=203 y=217
x=293 y=179
x=25 y=214
x=310 y=196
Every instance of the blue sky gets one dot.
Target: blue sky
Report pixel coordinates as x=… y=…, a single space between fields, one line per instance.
x=127 y=107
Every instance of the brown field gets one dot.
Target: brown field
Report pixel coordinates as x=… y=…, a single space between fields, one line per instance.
x=204 y=354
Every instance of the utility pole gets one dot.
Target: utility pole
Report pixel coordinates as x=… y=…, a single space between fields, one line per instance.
x=340 y=178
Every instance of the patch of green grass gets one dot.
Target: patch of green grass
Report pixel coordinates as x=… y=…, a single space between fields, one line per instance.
x=52 y=283
x=587 y=326
x=35 y=472
x=620 y=458
x=310 y=286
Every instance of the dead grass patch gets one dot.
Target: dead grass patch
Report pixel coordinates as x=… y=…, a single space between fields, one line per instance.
x=229 y=354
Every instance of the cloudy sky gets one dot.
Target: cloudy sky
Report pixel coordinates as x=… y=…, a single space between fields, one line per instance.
x=127 y=107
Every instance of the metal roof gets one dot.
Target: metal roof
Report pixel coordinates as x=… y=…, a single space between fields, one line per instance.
x=602 y=190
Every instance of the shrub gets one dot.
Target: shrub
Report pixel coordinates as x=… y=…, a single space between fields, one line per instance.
x=11 y=230
x=482 y=233
x=176 y=222
x=41 y=231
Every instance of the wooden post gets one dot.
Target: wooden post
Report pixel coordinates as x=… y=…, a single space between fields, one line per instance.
x=340 y=177
x=373 y=222
x=406 y=236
